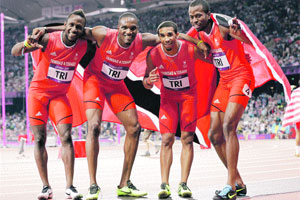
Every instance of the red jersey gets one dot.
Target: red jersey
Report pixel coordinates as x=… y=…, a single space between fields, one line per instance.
x=228 y=56
x=177 y=72
x=112 y=61
x=56 y=66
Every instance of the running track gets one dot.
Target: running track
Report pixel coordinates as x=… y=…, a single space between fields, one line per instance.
x=269 y=168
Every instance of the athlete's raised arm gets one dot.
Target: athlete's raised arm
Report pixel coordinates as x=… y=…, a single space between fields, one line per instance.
x=236 y=32
x=29 y=45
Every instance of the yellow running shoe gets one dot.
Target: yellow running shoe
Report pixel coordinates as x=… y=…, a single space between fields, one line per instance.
x=130 y=190
x=183 y=190
x=93 y=193
x=164 y=191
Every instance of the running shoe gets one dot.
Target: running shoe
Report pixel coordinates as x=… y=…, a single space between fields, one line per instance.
x=93 y=192
x=240 y=190
x=72 y=193
x=46 y=193
x=164 y=191
x=226 y=194
x=183 y=190
x=130 y=190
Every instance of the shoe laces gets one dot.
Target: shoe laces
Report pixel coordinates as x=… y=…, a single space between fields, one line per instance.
x=130 y=185
x=184 y=186
x=45 y=188
x=225 y=190
x=73 y=189
x=94 y=188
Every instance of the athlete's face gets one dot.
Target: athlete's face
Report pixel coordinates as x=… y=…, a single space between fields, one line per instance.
x=168 y=38
x=128 y=28
x=198 y=18
x=74 y=28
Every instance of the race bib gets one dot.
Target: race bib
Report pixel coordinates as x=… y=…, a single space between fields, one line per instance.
x=220 y=60
x=176 y=82
x=247 y=91
x=60 y=74
x=113 y=72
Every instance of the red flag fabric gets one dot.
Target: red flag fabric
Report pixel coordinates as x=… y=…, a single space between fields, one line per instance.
x=265 y=67
x=292 y=111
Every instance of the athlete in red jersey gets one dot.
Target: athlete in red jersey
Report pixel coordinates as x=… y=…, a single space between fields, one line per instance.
x=103 y=80
x=174 y=61
x=60 y=54
x=234 y=89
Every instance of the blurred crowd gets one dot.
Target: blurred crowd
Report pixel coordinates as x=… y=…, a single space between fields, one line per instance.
x=274 y=22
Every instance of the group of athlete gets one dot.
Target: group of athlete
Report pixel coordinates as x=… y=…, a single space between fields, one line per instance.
x=172 y=61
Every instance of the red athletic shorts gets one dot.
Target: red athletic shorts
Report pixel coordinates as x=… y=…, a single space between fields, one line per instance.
x=41 y=105
x=96 y=91
x=237 y=90
x=172 y=110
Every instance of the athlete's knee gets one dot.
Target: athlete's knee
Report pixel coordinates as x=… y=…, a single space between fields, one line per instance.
x=229 y=127
x=134 y=130
x=40 y=140
x=215 y=137
x=94 y=128
x=66 y=139
x=187 y=140
x=167 y=141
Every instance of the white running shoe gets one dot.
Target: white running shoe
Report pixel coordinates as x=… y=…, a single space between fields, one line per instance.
x=46 y=193
x=72 y=193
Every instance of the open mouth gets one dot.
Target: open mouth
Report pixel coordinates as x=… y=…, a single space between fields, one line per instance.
x=168 y=46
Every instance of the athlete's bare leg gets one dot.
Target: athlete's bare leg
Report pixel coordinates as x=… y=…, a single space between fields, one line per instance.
x=67 y=153
x=216 y=137
x=94 y=117
x=187 y=154
x=233 y=114
x=40 y=152
x=166 y=155
x=129 y=119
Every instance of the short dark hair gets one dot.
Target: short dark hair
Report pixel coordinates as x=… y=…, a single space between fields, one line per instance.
x=128 y=14
x=203 y=3
x=80 y=13
x=167 y=24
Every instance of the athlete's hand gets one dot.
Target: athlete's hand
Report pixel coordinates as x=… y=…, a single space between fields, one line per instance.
x=33 y=43
x=153 y=77
x=234 y=26
x=204 y=48
x=38 y=32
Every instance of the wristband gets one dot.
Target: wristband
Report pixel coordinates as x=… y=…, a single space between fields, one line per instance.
x=200 y=41
x=26 y=44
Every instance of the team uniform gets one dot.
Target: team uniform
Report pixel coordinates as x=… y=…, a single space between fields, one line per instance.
x=178 y=92
x=104 y=77
x=54 y=71
x=236 y=76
